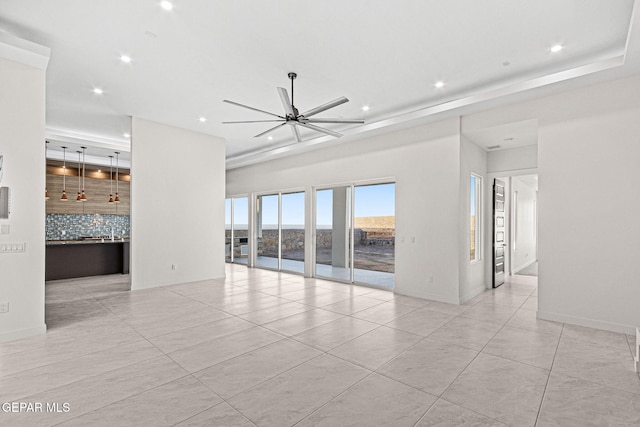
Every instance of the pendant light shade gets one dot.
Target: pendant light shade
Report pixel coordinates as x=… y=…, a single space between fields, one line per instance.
x=83 y=197
x=111 y=179
x=64 y=175
x=46 y=151
x=78 y=199
x=117 y=199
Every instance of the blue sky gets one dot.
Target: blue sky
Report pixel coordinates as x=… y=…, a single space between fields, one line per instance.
x=370 y=200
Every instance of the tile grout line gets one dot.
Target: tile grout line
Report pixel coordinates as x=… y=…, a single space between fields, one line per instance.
x=217 y=404
x=323 y=352
x=544 y=392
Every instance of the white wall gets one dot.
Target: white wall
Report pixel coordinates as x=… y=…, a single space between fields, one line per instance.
x=472 y=274
x=425 y=164
x=514 y=159
x=177 y=205
x=524 y=251
x=22 y=130
x=589 y=227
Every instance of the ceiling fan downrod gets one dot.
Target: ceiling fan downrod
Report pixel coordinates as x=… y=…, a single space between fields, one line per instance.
x=292 y=76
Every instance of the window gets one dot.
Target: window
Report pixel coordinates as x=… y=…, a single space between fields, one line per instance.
x=475 y=192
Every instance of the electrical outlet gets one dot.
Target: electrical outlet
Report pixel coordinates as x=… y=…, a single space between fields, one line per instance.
x=4 y=306
x=7 y=247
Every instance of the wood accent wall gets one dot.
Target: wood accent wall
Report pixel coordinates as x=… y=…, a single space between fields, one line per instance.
x=97 y=191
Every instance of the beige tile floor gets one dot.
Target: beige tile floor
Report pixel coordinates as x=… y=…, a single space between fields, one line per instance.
x=271 y=349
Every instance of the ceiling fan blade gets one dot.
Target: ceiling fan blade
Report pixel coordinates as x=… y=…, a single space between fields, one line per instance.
x=333 y=121
x=286 y=103
x=251 y=108
x=319 y=129
x=269 y=130
x=252 y=121
x=296 y=133
x=326 y=106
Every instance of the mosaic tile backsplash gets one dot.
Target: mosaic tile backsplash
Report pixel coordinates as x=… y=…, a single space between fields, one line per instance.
x=76 y=226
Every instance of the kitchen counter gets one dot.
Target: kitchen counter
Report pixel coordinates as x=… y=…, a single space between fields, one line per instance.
x=67 y=259
x=84 y=242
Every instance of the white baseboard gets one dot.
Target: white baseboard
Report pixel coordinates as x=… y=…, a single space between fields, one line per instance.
x=589 y=323
x=522 y=267
x=23 y=333
x=474 y=292
x=430 y=296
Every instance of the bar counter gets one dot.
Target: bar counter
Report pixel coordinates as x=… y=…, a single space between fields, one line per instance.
x=67 y=259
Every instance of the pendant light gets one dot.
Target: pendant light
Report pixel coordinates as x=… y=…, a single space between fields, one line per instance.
x=117 y=199
x=111 y=179
x=64 y=175
x=83 y=198
x=78 y=199
x=46 y=151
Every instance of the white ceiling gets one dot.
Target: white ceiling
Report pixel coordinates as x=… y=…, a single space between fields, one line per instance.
x=384 y=54
x=511 y=135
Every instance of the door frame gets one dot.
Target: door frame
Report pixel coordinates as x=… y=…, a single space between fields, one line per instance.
x=351 y=185
x=253 y=250
x=488 y=222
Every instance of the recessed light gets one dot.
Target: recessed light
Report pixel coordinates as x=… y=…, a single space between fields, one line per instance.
x=125 y=58
x=126 y=135
x=270 y=138
x=365 y=108
x=439 y=84
x=203 y=119
x=99 y=170
x=556 y=48
x=166 y=5
x=98 y=91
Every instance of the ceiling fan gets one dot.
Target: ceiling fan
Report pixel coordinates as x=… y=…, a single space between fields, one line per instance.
x=293 y=118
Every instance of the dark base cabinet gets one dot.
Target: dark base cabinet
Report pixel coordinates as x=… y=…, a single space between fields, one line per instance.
x=82 y=259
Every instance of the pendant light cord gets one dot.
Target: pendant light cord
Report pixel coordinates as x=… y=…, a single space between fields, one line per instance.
x=79 y=175
x=64 y=168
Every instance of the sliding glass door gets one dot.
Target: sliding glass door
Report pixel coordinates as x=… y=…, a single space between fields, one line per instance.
x=268 y=231
x=280 y=231
x=240 y=230
x=374 y=234
x=292 y=241
x=355 y=234
x=227 y=230
x=333 y=233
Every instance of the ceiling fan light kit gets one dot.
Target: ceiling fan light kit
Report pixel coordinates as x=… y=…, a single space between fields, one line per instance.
x=293 y=118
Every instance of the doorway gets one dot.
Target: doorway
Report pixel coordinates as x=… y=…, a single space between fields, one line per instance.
x=355 y=234
x=280 y=231
x=524 y=225
x=519 y=233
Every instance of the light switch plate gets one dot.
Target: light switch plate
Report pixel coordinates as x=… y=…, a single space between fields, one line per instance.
x=4 y=229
